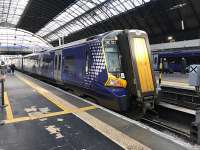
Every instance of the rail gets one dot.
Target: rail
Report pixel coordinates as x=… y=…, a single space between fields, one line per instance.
x=180 y=97
x=166 y=128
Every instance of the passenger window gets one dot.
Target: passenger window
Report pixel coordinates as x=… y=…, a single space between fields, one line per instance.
x=69 y=64
x=46 y=61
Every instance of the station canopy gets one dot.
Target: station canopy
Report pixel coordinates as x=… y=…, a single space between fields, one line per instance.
x=84 y=13
x=15 y=39
x=68 y=18
x=18 y=38
x=76 y=19
x=11 y=11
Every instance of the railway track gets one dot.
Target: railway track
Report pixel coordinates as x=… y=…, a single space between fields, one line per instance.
x=180 y=97
x=161 y=126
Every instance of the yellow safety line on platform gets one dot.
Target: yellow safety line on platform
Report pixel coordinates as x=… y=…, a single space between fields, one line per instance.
x=44 y=93
x=112 y=133
x=20 y=119
x=51 y=99
x=9 y=113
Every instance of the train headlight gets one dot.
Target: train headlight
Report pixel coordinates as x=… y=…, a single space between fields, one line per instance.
x=115 y=82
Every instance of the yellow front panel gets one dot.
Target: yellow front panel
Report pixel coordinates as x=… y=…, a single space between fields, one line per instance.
x=143 y=64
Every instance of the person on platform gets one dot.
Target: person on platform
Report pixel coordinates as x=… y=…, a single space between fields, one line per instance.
x=165 y=66
x=2 y=68
x=184 y=65
x=12 y=67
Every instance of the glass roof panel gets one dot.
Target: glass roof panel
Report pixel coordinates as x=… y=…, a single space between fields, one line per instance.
x=11 y=11
x=128 y=5
x=13 y=37
x=85 y=13
x=70 y=13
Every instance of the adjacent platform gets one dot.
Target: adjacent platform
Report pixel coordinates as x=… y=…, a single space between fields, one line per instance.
x=176 y=80
x=176 y=90
x=40 y=116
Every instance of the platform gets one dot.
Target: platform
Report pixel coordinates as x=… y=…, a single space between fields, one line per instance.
x=177 y=80
x=40 y=116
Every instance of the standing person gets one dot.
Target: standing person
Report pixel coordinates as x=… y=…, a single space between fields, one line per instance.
x=184 y=64
x=165 y=65
x=2 y=68
x=160 y=71
x=8 y=69
x=12 y=67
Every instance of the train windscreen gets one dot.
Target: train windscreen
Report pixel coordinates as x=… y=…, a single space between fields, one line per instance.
x=140 y=51
x=112 y=56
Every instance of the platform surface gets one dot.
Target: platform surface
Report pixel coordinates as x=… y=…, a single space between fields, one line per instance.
x=40 y=116
x=177 y=80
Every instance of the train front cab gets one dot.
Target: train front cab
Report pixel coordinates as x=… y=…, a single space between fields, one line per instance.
x=136 y=66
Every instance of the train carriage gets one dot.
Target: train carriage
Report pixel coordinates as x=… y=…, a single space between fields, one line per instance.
x=115 y=67
x=178 y=60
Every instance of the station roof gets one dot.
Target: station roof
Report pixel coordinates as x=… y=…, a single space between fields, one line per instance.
x=15 y=40
x=20 y=38
x=76 y=19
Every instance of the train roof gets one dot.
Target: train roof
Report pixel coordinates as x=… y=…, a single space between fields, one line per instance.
x=176 y=45
x=99 y=36
x=96 y=37
x=89 y=39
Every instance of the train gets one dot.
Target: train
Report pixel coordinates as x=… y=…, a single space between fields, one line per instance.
x=114 y=67
x=177 y=60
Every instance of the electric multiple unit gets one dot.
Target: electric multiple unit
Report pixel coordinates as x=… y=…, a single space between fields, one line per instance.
x=114 y=67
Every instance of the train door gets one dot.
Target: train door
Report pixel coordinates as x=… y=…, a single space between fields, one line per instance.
x=57 y=65
x=39 y=66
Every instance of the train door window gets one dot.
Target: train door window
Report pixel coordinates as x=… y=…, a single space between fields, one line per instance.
x=55 y=62
x=59 y=62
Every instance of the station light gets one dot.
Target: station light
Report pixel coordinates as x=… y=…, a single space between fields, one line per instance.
x=170 y=38
x=182 y=25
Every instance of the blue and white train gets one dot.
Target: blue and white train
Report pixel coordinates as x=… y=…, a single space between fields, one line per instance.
x=178 y=55
x=114 y=67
